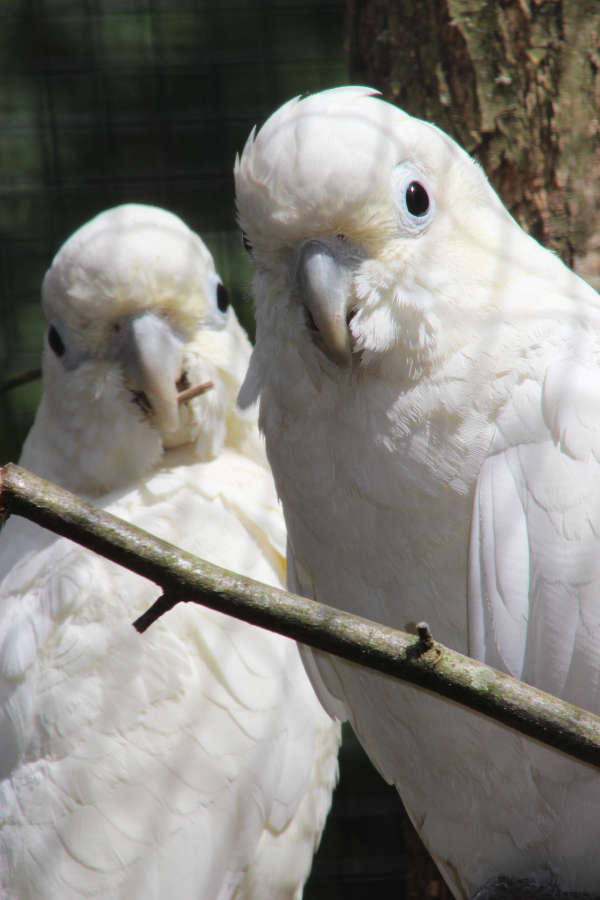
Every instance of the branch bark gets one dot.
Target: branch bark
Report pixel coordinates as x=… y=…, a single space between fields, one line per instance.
x=418 y=660
x=18 y=380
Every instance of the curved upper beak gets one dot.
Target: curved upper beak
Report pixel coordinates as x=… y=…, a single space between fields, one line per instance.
x=325 y=287
x=152 y=357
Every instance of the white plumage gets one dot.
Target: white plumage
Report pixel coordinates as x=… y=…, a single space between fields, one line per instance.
x=428 y=382
x=193 y=761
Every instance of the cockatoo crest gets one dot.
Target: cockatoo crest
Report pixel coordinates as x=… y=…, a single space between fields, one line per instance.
x=342 y=148
x=124 y=261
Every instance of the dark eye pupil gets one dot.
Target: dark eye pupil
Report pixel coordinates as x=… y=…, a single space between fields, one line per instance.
x=246 y=243
x=222 y=297
x=55 y=341
x=417 y=201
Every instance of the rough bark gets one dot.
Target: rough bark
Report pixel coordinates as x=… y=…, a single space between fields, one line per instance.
x=517 y=84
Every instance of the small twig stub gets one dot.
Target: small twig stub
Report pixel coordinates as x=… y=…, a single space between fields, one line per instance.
x=162 y=605
x=425 y=636
x=195 y=391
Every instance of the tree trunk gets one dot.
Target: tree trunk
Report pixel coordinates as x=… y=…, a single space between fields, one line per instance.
x=517 y=84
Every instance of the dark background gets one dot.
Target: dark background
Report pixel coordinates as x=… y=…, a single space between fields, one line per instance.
x=110 y=101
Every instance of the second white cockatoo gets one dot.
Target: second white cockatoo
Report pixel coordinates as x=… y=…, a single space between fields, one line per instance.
x=193 y=761
x=429 y=379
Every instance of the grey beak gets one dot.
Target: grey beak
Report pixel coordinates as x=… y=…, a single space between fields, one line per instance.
x=325 y=285
x=153 y=359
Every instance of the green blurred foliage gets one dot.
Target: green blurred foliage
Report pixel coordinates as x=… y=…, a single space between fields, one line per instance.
x=110 y=101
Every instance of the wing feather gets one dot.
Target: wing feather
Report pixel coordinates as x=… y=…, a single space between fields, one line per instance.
x=534 y=556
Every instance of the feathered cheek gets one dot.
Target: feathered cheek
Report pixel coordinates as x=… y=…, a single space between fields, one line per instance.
x=105 y=380
x=419 y=334
x=391 y=317
x=375 y=330
x=375 y=323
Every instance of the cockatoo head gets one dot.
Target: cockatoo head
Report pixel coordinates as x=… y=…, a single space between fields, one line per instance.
x=371 y=231
x=136 y=314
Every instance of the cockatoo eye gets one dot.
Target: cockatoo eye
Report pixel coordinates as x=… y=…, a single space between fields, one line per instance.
x=417 y=199
x=56 y=342
x=63 y=346
x=415 y=204
x=219 y=302
x=223 y=300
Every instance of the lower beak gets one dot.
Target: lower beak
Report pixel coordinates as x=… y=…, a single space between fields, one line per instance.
x=325 y=288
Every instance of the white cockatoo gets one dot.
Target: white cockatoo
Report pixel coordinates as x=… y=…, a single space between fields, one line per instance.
x=193 y=761
x=429 y=383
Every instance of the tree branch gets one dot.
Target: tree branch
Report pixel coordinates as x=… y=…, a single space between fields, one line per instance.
x=419 y=660
x=21 y=378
